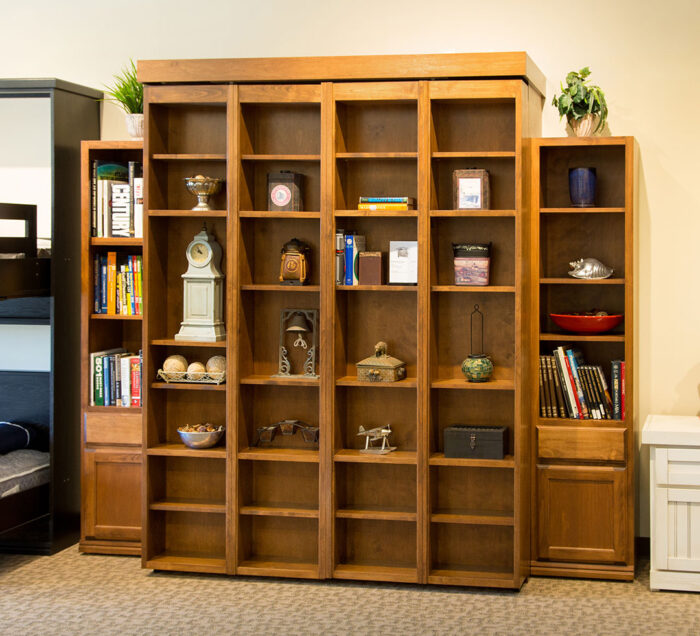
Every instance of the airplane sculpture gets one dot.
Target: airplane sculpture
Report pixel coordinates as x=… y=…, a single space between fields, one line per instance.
x=378 y=434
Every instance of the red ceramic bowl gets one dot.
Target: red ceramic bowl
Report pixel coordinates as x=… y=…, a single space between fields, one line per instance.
x=586 y=324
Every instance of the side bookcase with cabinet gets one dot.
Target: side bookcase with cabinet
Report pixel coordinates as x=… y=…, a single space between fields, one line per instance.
x=111 y=435
x=583 y=469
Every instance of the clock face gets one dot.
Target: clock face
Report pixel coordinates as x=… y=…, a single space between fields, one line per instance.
x=199 y=253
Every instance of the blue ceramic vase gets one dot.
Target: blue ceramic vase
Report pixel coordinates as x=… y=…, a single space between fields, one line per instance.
x=582 y=184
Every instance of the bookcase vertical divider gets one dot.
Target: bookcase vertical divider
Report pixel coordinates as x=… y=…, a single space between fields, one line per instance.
x=326 y=482
x=424 y=327
x=232 y=296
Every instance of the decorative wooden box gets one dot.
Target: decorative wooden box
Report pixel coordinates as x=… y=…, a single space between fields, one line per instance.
x=475 y=442
x=381 y=367
x=284 y=191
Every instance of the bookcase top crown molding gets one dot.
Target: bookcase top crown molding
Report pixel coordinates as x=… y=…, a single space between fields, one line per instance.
x=515 y=64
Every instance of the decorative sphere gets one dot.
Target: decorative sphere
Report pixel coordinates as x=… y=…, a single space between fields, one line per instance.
x=196 y=371
x=175 y=364
x=216 y=364
x=477 y=368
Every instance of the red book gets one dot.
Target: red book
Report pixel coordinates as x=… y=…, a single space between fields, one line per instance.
x=135 y=366
x=622 y=390
x=573 y=385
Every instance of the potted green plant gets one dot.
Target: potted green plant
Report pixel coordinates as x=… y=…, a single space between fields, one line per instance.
x=127 y=91
x=582 y=103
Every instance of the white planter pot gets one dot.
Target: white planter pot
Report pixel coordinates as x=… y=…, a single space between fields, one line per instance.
x=134 y=125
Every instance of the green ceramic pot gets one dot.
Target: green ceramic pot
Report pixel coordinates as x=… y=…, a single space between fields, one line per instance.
x=477 y=368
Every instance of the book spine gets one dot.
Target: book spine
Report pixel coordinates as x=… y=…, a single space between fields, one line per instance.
x=118 y=294
x=556 y=401
x=357 y=247
x=549 y=383
x=103 y=284
x=125 y=364
x=606 y=392
x=132 y=286
x=139 y=286
x=112 y=380
x=93 y=199
x=117 y=379
x=135 y=381
x=578 y=413
x=623 y=392
x=138 y=207
x=349 y=247
x=98 y=208
x=96 y=284
x=558 y=387
x=615 y=375
x=384 y=206
x=562 y=381
x=99 y=381
x=131 y=177
x=106 y=380
x=573 y=365
x=405 y=200
x=111 y=282
x=543 y=406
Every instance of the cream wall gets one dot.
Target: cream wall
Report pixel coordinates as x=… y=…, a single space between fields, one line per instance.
x=644 y=54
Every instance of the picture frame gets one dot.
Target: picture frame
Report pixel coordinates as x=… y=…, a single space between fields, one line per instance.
x=470 y=189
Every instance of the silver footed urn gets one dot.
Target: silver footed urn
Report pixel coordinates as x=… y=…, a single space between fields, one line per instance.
x=203 y=187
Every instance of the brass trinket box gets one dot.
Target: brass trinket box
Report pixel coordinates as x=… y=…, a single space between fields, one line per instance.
x=381 y=367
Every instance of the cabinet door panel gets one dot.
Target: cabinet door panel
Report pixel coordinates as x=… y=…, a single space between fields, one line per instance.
x=582 y=513
x=677 y=544
x=112 y=495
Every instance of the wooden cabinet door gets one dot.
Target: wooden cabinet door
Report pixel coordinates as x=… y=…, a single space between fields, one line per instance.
x=582 y=513
x=112 y=495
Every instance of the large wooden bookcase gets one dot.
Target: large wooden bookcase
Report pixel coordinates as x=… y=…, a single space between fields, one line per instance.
x=583 y=470
x=386 y=125
x=110 y=435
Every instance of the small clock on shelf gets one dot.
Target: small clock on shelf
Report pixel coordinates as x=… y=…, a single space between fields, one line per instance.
x=203 y=291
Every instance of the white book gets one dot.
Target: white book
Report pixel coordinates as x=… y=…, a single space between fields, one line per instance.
x=121 y=201
x=138 y=207
x=125 y=363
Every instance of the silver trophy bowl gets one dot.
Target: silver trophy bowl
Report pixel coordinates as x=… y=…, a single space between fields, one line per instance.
x=203 y=187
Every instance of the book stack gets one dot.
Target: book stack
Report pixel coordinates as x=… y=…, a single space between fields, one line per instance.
x=570 y=388
x=115 y=378
x=117 y=282
x=377 y=204
x=117 y=199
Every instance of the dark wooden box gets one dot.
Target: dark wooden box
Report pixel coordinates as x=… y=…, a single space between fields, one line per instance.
x=476 y=442
x=371 y=270
x=284 y=191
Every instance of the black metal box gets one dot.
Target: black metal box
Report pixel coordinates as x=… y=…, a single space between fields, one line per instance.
x=476 y=442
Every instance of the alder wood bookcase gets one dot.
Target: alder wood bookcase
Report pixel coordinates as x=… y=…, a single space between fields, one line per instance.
x=583 y=470
x=110 y=440
x=376 y=125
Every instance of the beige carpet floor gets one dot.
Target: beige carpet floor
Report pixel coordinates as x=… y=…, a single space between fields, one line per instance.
x=72 y=593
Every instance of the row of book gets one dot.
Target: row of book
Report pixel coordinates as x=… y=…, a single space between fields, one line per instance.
x=570 y=388
x=115 y=378
x=117 y=199
x=377 y=204
x=118 y=284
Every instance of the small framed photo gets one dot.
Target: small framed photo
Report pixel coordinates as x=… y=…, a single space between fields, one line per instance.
x=470 y=189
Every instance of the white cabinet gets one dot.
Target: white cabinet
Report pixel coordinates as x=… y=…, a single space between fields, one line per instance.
x=675 y=501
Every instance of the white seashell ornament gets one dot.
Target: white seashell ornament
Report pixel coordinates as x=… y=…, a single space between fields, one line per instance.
x=589 y=268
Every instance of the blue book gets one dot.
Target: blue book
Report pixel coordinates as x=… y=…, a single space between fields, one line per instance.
x=407 y=200
x=96 y=300
x=349 y=246
x=106 y=381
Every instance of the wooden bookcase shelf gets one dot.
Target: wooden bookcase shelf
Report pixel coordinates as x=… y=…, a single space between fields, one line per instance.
x=110 y=435
x=582 y=469
x=329 y=511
